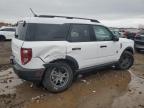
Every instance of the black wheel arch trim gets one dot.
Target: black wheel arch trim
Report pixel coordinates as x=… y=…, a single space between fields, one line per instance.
x=74 y=61
x=130 y=49
x=68 y=58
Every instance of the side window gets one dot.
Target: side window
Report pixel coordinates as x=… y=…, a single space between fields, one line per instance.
x=102 y=33
x=79 y=33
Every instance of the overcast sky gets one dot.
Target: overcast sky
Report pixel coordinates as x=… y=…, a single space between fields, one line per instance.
x=109 y=12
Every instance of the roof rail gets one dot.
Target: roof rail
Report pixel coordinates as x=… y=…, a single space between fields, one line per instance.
x=67 y=17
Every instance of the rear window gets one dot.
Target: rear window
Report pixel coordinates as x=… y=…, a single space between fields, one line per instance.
x=21 y=31
x=42 y=32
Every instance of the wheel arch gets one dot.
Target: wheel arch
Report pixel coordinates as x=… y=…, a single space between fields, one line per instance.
x=129 y=49
x=69 y=60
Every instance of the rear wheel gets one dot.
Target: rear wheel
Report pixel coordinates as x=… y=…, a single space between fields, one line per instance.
x=58 y=77
x=126 y=60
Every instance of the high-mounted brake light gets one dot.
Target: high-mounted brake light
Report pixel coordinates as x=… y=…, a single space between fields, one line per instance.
x=26 y=55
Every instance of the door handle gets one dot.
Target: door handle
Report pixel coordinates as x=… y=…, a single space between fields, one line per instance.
x=76 y=49
x=103 y=46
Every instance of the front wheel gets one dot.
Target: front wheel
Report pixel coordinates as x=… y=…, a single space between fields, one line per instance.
x=58 y=77
x=126 y=61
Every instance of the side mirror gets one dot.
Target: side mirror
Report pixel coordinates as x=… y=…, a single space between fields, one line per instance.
x=115 y=38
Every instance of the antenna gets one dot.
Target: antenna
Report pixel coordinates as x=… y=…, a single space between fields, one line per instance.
x=35 y=15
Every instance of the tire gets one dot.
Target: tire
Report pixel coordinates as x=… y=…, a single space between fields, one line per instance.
x=126 y=61
x=58 y=77
x=2 y=38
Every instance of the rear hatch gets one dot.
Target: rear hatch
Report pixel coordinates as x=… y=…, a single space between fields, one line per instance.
x=16 y=47
x=17 y=42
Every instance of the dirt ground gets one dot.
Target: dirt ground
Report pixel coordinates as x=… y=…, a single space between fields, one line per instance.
x=105 y=88
x=5 y=52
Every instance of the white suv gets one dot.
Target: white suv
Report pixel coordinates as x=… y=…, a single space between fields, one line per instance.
x=52 y=49
x=7 y=33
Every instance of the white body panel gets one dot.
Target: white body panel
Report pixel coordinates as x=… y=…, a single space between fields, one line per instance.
x=45 y=51
x=90 y=54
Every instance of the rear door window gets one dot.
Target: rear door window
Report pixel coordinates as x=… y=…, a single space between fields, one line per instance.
x=79 y=33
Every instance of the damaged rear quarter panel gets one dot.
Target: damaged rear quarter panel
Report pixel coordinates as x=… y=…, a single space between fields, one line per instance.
x=47 y=50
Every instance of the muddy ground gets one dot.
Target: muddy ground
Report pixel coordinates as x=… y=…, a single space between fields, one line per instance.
x=105 y=88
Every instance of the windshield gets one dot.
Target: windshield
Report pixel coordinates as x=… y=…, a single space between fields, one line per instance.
x=41 y=32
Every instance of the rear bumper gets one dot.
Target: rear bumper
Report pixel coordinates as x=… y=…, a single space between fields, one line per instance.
x=33 y=75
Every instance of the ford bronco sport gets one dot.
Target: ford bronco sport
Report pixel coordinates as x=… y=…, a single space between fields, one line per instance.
x=51 y=49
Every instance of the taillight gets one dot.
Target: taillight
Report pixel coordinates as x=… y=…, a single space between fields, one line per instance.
x=26 y=55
